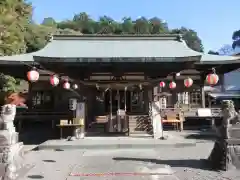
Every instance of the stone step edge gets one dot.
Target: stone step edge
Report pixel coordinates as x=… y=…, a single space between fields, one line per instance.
x=113 y=146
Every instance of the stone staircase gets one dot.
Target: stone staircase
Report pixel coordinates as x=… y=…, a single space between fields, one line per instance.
x=140 y=125
x=99 y=125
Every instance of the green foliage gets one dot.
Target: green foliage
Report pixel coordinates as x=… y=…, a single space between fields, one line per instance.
x=8 y=83
x=15 y=17
x=236 y=39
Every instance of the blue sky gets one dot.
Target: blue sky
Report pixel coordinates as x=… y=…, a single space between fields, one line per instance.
x=214 y=20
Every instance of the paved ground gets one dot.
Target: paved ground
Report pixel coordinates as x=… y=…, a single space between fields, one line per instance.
x=119 y=164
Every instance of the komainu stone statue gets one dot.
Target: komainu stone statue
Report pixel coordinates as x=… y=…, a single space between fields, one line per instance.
x=226 y=152
x=11 y=151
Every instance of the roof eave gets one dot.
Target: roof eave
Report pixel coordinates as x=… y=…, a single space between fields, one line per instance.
x=17 y=59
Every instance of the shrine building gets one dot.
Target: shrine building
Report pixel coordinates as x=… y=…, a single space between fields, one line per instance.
x=114 y=73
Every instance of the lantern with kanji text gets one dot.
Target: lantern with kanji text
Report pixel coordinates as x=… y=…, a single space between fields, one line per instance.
x=188 y=82
x=212 y=79
x=172 y=85
x=162 y=84
x=66 y=85
x=54 y=80
x=33 y=75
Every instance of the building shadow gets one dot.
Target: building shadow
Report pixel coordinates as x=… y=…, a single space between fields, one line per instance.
x=201 y=137
x=186 y=163
x=37 y=132
x=204 y=134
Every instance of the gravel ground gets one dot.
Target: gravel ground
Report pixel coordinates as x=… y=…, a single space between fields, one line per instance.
x=185 y=164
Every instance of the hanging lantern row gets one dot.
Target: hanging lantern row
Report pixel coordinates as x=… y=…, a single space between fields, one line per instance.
x=211 y=79
x=33 y=76
x=172 y=85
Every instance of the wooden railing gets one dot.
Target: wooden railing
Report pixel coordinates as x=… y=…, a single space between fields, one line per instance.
x=191 y=111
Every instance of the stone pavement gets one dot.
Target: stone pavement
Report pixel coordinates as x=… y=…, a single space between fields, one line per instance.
x=118 y=143
x=170 y=163
x=102 y=164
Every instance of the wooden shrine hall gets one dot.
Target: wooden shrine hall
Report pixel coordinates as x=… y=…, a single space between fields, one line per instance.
x=118 y=74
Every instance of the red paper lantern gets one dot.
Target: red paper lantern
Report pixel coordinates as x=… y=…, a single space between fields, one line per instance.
x=212 y=79
x=188 y=82
x=172 y=85
x=33 y=75
x=162 y=84
x=54 y=80
x=66 y=85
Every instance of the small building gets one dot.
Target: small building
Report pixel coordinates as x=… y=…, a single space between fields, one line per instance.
x=117 y=73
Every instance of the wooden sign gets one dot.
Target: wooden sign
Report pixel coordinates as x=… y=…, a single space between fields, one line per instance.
x=204 y=112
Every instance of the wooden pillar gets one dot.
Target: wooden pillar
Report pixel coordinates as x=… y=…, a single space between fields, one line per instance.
x=174 y=98
x=30 y=95
x=202 y=80
x=222 y=82
x=110 y=115
x=155 y=93
x=125 y=99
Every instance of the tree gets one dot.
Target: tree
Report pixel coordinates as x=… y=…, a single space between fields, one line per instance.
x=127 y=25
x=49 y=21
x=158 y=26
x=213 y=52
x=191 y=38
x=82 y=23
x=236 y=39
x=14 y=18
x=37 y=36
x=226 y=50
x=142 y=26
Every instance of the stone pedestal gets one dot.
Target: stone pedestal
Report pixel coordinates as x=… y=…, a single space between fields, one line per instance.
x=11 y=151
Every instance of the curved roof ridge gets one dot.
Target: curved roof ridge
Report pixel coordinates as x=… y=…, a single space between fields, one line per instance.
x=117 y=37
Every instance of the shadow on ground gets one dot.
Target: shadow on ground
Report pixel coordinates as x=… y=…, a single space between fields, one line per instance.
x=201 y=137
x=37 y=133
x=201 y=134
x=187 y=163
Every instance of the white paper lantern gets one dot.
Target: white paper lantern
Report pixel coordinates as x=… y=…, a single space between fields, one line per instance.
x=212 y=79
x=66 y=85
x=75 y=86
x=162 y=84
x=33 y=75
x=188 y=82
x=54 y=80
x=172 y=85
